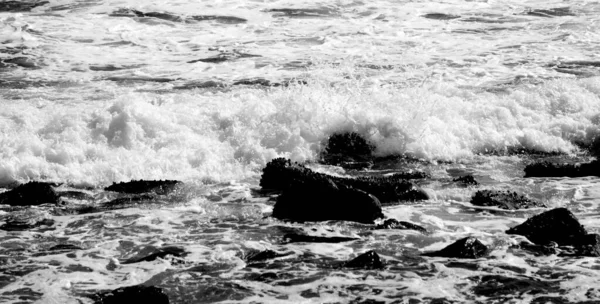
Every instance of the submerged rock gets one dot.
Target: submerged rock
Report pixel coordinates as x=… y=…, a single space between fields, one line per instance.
x=548 y=169
x=132 y=294
x=26 y=219
x=259 y=256
x=303 y=238
x=401 y=225
x=126 y=12
x=223 y=57
x=465 y=248
x=303 y=12
x=20 y=6
x=144 y=186
x=157 y=253
x=497 y=285
x=367 y=260
x=440 y=16
x=30 y=194
x=503 y=199
x=466 y=180
x=551 y=12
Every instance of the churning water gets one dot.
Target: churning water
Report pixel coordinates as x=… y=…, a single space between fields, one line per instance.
x=207 y=92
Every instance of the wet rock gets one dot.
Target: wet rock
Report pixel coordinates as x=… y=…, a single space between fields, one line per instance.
x=30 y=194
x=64 y=247
x=223 y=57
x=126 y=12
x=20 y=6
x=257 y=82
x=466 y=180
x=259 y=256
x=497 y=285
x=280 y=174
x=347 y=147
x=466 y=248
x=132 y=294
x=401 y=225
x=557 y=225
x=26 y=220
x=551 y=12
x=209 y=84
x=440 y=16
x=157 y=253
x=132 y=79
x=303 y=238
x=503 y=199
x=303 y=12
x=548 y=169
x=314 y=200
x=367 y=260
x=24 y=62
x=219 y=19
x=144 y=186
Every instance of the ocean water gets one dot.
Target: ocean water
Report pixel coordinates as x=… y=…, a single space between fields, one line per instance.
x=207 y=92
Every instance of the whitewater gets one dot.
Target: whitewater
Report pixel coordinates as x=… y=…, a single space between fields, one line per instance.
x=94 y=92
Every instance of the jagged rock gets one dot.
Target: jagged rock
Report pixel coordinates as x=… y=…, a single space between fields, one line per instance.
x=402 y=225
x=157 y=253
x=466 y=180
x=348 y=147
x=548 y=169
x=132 y=294
x=503 y=199
x=26 y=219
x=303 y=238
x=557 y=225
x=279 y=174
x=20 y=6
x=367 y=260
x=30 y=194
x=465 y=248
x=144 y=186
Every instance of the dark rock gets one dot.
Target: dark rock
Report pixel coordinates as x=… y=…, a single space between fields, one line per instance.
x=132 y=294
x=402 y=225
x=322 y=200
x=557 y=225
x=257 y=82
x=367 y=260
x=30 y=194
x=303 y=238
x=503 y=199
x=259 y=256
x=550 y=300
x=24 y=62
x=280 y=174
x=586 y=245
x=347 y=147
x=219 y=19
x=466 y=248
x=440 y=16
x=303 y=12
x=126 y=12
x=157 y=253
x=64 y=247
x=466 y=180
x=224 y=57
x=25 y=220
x=496 y=285
x=20 y=6
x=209 y=84
x=547 y=249
x=551 y=12
x=548 y=169
x=144 y=186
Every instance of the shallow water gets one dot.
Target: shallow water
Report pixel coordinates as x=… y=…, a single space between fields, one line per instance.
x=96 y=92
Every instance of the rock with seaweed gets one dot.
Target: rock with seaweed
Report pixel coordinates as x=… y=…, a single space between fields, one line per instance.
x=465 y=248
x=280 y=174
x=549 y=169
x=30 y=194
x=559 y=226
x=144 y=186
x=508 y=200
